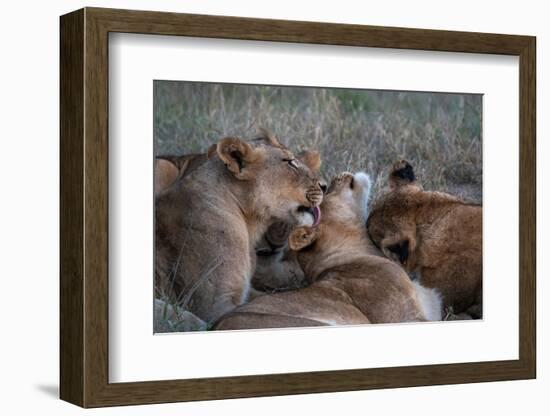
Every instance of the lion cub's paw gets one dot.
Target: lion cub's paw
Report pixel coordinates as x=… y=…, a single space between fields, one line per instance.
x=314 y=195
x=344 y=176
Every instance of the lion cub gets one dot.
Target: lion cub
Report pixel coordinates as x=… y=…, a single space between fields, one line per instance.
x=208 y=222
x=352 y=282
x=432 y=233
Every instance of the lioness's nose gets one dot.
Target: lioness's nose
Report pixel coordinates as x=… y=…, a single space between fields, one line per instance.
x=323 y=186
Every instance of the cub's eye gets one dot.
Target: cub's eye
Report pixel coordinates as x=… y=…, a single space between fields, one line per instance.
x=292 y=163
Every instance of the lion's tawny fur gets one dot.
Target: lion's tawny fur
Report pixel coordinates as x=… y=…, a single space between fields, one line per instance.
x=209 y=222
x=433 y=234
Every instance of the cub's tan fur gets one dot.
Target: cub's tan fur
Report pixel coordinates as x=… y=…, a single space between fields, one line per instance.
x=208 y=222
x=432 y=233
x=352 y=282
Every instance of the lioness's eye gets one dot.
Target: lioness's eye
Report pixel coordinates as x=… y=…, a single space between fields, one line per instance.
x=292 y=163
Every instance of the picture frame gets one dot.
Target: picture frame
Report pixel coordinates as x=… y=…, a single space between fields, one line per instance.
x=84 y=217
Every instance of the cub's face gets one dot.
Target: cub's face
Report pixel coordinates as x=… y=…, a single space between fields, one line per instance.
x=346 y=201
x=344 y=212
x=391 y=226
x=392 y=222
x=282 y=186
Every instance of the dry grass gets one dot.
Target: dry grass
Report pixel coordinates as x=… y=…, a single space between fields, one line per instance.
x=440 y=134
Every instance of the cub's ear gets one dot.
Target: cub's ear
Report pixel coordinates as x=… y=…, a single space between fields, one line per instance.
x=399 y=247
x=166 y=173
x=302 y=237
x=312 y=159
x=402 y=174
x=239 y=157
x=398 y=251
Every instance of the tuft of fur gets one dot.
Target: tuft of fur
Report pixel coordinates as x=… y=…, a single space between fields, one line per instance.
x=430 y=302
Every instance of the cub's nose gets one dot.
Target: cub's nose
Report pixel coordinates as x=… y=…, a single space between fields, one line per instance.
x=323 y=185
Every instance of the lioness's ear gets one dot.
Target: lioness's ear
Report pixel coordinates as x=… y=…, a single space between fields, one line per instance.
x=238 y=155
x=269 y=138
x=211 y=151
x=312 y=159
x=302 y=237
x=402 y=174
x=166 y=173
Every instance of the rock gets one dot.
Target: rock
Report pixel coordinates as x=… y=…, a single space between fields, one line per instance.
x=172 y=318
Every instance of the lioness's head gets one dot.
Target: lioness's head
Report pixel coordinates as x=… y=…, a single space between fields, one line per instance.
x=345 y=210
x=391 y=224
x=278 y=185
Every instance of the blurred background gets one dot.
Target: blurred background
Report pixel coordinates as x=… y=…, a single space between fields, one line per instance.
x=438 y=133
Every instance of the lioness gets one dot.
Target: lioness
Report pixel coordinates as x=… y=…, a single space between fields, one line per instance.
x=209 y=221
x=434 y=234
x=276 y=265
x=352 y=282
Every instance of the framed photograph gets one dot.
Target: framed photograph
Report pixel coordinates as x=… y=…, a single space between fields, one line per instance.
x=255 y=207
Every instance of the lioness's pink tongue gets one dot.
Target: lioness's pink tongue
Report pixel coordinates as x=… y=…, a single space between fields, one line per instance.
x=316 y=216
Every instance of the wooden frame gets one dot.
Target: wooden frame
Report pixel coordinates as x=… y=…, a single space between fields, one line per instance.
x=84 y=207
